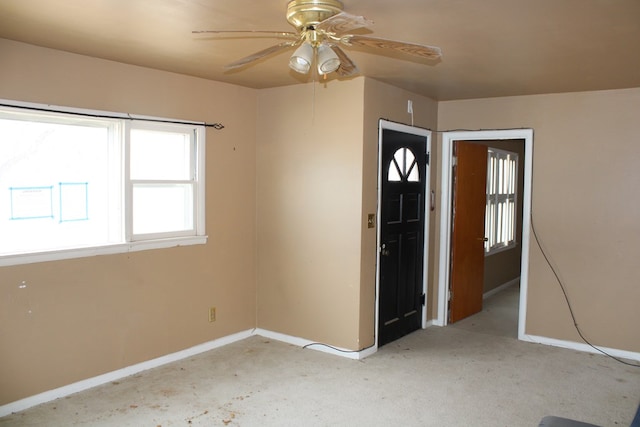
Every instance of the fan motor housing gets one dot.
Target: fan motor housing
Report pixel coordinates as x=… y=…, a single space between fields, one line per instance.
x=305 y=14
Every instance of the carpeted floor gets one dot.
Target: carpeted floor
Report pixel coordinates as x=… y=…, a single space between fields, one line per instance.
x=455 y=376
x=499 y=315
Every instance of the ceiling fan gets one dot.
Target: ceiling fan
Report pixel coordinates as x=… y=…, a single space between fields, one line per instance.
x=321 y=28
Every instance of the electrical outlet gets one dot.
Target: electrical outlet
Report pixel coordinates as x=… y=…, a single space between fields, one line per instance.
x=212 y=314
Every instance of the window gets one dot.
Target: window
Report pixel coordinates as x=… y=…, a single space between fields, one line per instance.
x=500 y=215
x=162 y=179
x=70 y=184
x=403 y=167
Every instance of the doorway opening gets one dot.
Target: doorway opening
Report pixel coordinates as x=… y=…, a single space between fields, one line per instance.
x=402 y=232
x=449 y=140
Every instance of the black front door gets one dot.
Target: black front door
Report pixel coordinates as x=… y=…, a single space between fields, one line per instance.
x=404 y=168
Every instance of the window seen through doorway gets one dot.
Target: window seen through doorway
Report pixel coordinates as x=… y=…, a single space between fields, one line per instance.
x=500 y=216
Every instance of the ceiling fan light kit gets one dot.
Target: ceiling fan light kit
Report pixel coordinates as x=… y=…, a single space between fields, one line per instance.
x=302 y=58
x=305 y=15
x=321 y=28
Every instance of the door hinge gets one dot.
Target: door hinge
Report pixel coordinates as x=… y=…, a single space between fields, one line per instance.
x=423 y=299
x=427 y=157
x=450 y=294
x=454 y=161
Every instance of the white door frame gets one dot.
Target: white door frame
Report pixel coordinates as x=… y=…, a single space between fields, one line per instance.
x=385 y=124
x=448 y=139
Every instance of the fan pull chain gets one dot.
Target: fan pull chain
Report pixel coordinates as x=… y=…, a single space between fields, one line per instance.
x=313 y=107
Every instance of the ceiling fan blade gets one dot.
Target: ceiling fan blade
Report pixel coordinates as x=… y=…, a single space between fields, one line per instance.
x=250 y=33
x=343 y=22
x=347 y=67
x=259 y=55
x=423 y=51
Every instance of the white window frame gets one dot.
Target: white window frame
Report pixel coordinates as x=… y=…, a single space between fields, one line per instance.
x=197 y=134
x=122 y=123
x=495 y=244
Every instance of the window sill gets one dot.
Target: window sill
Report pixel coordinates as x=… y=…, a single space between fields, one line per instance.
x=58 y=255
x=502 y=249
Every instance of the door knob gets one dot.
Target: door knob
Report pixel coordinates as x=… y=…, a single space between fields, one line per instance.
x=484 y=239
x=383 y=250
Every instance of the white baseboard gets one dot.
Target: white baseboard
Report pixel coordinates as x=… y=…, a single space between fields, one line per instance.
x=67 y=390
x=312 y=345
x=76 y=387
x=622 y=354
x=500 y=288
x=438 y=322
x=119 y=374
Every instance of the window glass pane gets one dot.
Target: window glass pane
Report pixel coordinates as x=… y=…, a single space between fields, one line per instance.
x=501 y=172
x=54 y=184
x=409 y=159
x=406 y=166
x=414 y=175
x=512 y=221
x=160 y=155
x=512 y=184
x=162 y=208
x=394 y=174
x=399 y=158
x=494 y=171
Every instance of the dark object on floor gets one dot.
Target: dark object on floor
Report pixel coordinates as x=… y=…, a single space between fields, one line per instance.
x=565 y=422
x=636 y=419
x=562 y=422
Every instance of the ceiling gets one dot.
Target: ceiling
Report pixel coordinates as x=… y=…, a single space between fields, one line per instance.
x=490 y=47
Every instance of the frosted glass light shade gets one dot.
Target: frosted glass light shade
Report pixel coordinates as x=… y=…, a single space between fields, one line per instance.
x=328 y=61
x=301 y=59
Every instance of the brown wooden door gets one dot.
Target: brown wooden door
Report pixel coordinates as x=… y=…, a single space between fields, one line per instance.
x=467 y=240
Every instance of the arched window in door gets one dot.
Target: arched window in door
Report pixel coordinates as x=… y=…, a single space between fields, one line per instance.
x=404 y=167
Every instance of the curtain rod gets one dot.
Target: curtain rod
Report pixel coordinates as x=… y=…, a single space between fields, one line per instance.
x=217 y=126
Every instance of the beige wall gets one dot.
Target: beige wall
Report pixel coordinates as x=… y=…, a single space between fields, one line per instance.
x=585 y=176
x=80 y=318
x=309 y=202
x=317 y=182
